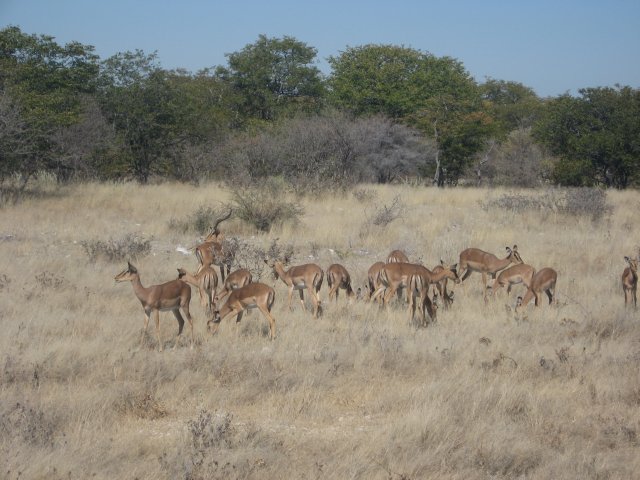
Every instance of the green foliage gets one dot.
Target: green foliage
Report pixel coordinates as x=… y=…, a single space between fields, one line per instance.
x=43 y=86
x=512 y=104
x=595 y=136
x=273 y=77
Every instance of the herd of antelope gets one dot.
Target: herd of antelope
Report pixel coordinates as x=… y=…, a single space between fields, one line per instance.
x=384 y=280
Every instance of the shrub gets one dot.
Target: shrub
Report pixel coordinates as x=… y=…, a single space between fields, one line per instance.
x=199 y=221
x=128 y=247
x=266 y=205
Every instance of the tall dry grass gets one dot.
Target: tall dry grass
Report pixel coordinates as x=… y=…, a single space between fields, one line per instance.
x=357 y=393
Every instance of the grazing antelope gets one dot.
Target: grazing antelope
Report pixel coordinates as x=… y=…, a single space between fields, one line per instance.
x=514 y=275
x=544 y=280
x=373 y=278
x=440 y=289
x=206 y=280
x=212 y=251
x=235 y=280
x=338 y=277
x=419 y=283
x=630 y=282
x=476 y=260
x=397 y=256
x=301 y=277
x=253 y=295
x=173 y=295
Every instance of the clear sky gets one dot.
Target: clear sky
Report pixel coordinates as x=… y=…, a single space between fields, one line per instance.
x=552 y=46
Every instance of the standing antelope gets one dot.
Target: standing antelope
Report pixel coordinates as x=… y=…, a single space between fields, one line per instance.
x=206 y=280
x=476 y=260
x=338 y=277
x=630 y=282
x=419 y=283
x=373 y=278
x=544 y=280
x=253 y=295
x=301 y=277
x=173 y=295
x=212 y=250
x=514 y=275
x=397 y=256
x=235 y=280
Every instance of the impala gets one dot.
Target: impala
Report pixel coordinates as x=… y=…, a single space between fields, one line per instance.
x=630 y=282
x=440 y=288
x=212 y=250
x=543 y=281
x=173 y=295
x=419 y=283
x=338 y=277
x=234 y=280
x=206 y=280
x=253 y=295
x=373 y=278
x=476 y=260
x=514 y=275
x=397 y=256
x=301 y=277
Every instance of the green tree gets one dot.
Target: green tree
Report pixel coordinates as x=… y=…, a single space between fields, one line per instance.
x=43 y=87
x=513 y=105
x=149 y=110
x=436 y=95
x=273 y=77
x=595 y=136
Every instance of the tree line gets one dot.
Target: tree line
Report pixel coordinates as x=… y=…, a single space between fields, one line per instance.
x=384 y=113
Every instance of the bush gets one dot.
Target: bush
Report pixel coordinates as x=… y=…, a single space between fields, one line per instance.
x=199 y=221
x=126 y=248
x=266 y=205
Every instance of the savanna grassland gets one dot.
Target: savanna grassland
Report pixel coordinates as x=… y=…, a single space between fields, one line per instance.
x=553 y=392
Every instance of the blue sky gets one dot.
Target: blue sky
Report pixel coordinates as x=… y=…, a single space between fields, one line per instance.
x=552 y=46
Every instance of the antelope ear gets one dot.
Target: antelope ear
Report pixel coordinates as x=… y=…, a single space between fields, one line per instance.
x=515 y=248
x=454 y=266
x=627 y=259
x=442 y=262
x=181 y=272
x=508 y=250
x=132 y=269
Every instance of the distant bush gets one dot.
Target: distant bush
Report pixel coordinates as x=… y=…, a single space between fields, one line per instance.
x=199 y=221
x=266 y=205
x=583 y=201
x=128 y=247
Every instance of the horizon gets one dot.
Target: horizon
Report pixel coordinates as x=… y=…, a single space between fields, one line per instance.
x=552 y=48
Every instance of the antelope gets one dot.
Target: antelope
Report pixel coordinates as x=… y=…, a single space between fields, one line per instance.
x=206 y=280
x=514 y=275
x=630 y=282
x=338 y=277
x=301 y=277
x=212 y=251
x=373 y=278
x=476 y=260
x=440 y=288
x=543 y=281
x=253 y=295
x=234 y=280
x=419 y=283
x=173 y=295
x=397 y=256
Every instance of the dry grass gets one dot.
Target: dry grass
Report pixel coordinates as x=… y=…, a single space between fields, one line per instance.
x=358 y=393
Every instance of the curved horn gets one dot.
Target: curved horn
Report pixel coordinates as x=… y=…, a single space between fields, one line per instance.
x=219 y=221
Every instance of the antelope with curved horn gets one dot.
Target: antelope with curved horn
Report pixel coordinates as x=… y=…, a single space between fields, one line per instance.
x=173 y=296
x=212 y=251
